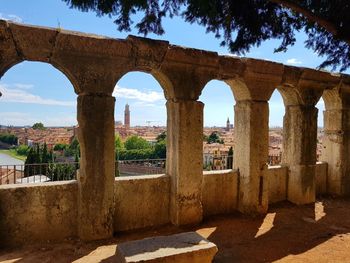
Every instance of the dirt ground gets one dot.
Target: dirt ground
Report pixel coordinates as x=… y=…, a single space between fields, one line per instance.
x=288 y=233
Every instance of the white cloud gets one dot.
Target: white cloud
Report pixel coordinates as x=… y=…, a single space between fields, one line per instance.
x=18 y=93
x=11 y=17
x=148 y=96
x=23 y=86
x=293 y=61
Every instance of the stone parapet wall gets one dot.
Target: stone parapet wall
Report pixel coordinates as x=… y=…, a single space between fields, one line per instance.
x=219 y=192
x=278 y=175
x=141 y=201
x=277 y=178
x=37 y=212
x=48 y=211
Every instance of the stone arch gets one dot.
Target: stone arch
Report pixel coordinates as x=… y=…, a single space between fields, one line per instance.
x=6 y=67
x=55 y=86
x=238 y=87
x=66 y=73
x=276 y=137
x=160 y=77
x=217 y=156
x=290 y=95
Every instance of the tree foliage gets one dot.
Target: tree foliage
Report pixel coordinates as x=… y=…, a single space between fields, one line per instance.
x=68 y=150
x=22 y=150
x=8 y=138
x=214 y=138
x=241 y=24
x=137 y=148
x=161 y=137
x=119 y=145
x=136 y=143
x=40 y=161
x=38 y=126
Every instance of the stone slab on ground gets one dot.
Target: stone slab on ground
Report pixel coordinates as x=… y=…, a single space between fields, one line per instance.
x=188 y=247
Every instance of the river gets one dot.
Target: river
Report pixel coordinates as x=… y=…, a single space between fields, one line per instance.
x=9 y=160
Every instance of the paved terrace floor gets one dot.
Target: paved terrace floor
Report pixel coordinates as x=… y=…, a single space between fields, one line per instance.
x=312 y=233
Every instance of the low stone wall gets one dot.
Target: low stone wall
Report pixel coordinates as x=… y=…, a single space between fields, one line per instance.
x=277 y=178
x=40 y=212
x=219 y=192
x=141 y=201
x=278 y=181
x=37 y=212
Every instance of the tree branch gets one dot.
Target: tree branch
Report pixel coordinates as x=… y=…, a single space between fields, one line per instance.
x=329 y=26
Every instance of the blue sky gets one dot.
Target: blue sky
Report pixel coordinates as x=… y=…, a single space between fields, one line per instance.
x=35 y=92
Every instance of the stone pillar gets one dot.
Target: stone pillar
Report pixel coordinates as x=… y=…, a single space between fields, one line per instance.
x=96 y=174
x=185 y=160
x=299 y=151
x=251 y=154
x=336 y=150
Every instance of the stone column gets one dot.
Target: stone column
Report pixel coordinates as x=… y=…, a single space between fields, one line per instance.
x=96 y=174
x=299 y=151
x=185 y=160
x=251 y=154
x=336 y=150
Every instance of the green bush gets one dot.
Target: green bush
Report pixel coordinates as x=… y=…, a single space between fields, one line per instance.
x=22 y=150
x=8 y=138
x=136 y=143
x=136 y=154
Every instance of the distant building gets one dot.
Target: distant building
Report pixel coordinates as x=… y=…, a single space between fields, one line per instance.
x=228 y=125
x=118 y=124
x=127 y=116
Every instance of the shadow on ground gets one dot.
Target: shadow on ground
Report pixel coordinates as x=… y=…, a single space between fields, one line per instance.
x=311 y=233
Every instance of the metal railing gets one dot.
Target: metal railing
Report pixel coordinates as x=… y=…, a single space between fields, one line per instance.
x=141 y=167
x=38 y=173
x=62 y=171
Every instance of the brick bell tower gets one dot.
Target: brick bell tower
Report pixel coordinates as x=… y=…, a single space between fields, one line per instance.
x=127 y=116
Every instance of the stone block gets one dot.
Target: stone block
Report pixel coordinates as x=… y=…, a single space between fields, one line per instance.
x=147 y=202
x=219 y=194
x=302 y=184
x=187 y=247
x=277 y=183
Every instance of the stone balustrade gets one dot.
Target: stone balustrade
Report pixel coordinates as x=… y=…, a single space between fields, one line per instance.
x=94 y=64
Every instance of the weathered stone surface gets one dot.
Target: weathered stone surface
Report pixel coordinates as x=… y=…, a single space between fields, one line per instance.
x=301 y=184
x=185 y=161
x=219 y=194
x=321 y=178
x=148 y=53
x=261 y=78
x=37 y=212
x=277 y=183
x=141 y=201
x=299 y=146
x=181 y=248
x=34 y=43
x=96 y=174
x=299 y=151
x=336 y=150
x=251 y=152
x=9 y=54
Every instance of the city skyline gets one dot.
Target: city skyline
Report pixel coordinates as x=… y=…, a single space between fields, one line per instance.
x=34 y=92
